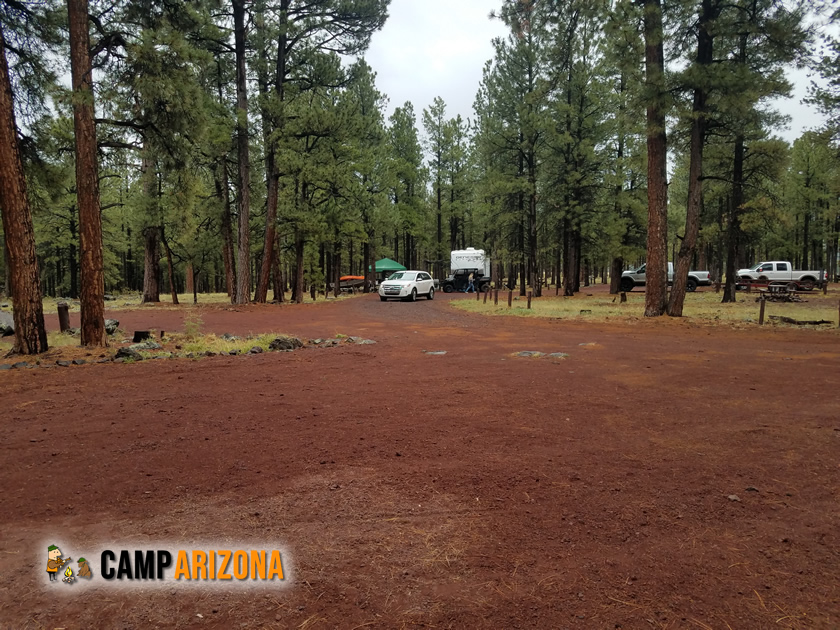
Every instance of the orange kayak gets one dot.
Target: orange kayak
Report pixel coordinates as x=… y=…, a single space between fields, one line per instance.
x=343 y=278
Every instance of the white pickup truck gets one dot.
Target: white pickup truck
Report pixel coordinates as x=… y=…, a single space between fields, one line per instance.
x=637 y=278
x=781 y=272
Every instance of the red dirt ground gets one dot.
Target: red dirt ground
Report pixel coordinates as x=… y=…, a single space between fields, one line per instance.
x=473 y=489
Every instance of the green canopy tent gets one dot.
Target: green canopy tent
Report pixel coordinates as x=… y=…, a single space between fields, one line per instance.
x=386 y=265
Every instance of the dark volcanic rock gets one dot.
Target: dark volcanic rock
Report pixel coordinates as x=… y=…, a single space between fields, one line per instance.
x=128 y=353
x=285 y=343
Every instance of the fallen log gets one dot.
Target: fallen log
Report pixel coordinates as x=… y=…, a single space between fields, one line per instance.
x=790 y=320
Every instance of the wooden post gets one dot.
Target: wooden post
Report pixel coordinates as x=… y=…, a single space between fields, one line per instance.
x=761 y=312
x=529 y=299
x=63 y=316
x=623 y=298
x=485 y=295
x=510 y=298
x=496 y=297
x=477 y=295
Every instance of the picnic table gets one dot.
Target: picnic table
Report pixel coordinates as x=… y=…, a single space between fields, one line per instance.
x=779 y=293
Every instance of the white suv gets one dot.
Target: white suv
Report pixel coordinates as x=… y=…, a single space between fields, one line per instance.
x=407 y=285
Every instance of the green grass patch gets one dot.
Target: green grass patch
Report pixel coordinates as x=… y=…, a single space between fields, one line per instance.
x=211 y=343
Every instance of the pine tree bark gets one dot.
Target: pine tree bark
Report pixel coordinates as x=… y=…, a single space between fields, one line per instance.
x=151 y=265
x=92 y=294
x=22 y=262
x=170 y=268
x=279 y=296
x=228 y=257
x=657 y=148
x=270 y=127
x=243 y=275
x=734 y=230
x=298 y=288
x=695 y=169
x=616 y=270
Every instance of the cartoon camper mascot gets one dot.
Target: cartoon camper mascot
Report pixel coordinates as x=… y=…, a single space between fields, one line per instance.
x=55 y=562
x=84 y=569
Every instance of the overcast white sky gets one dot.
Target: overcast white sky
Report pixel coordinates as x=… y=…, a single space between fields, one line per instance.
x=432 y=48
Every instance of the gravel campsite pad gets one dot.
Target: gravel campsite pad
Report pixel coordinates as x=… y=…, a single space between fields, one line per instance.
x=475 y=489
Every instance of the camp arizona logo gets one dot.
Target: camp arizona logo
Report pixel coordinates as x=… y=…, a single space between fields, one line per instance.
x=212 y=566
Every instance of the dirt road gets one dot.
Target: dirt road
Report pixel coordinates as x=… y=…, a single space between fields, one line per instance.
x=662 y=475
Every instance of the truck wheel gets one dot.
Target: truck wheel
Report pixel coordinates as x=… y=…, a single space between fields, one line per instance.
x=627 y=285
x=792 y=286
x=431 y=294
x=447 y=288
x=691 y=285
x=763 y=279
x=808 y=284
x=484 y=288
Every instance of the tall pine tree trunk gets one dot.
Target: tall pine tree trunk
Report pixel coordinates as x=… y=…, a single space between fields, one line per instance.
x=228 y=257
x=243 y=276
x=151 y=265
x=279 y=296
x=170 y=268
x=298 y=288
x=695 y=168
x=734 y=231
x=657 y=250
x=151 y=250
x=616 y=270
x=92 y=295
x=22 y=262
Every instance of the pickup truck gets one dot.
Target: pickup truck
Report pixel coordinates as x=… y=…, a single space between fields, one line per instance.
x=637 y=278
x=781 y=272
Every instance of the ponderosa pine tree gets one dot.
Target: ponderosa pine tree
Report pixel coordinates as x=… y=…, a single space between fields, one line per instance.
x=301 y=29
x=92 y=294
x=434 y=122
x=657 y=143
x=24 y=276
x=698 y=75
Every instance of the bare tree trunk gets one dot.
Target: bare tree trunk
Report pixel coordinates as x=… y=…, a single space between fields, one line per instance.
x=189 y=279
x=695 y=169
x=92 y=295
x=336 y=265
x=615 y=274
x=22 y=262
x=278 y=278
x=223 y=193
x=657 y=147
x=243 y=277
x=151 y=265
x=734 y=231
x=571 y=282
x=172 y=289
x=298 y=288
x=72 y=260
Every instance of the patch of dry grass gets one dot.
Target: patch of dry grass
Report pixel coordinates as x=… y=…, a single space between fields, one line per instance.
x=703 y=306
